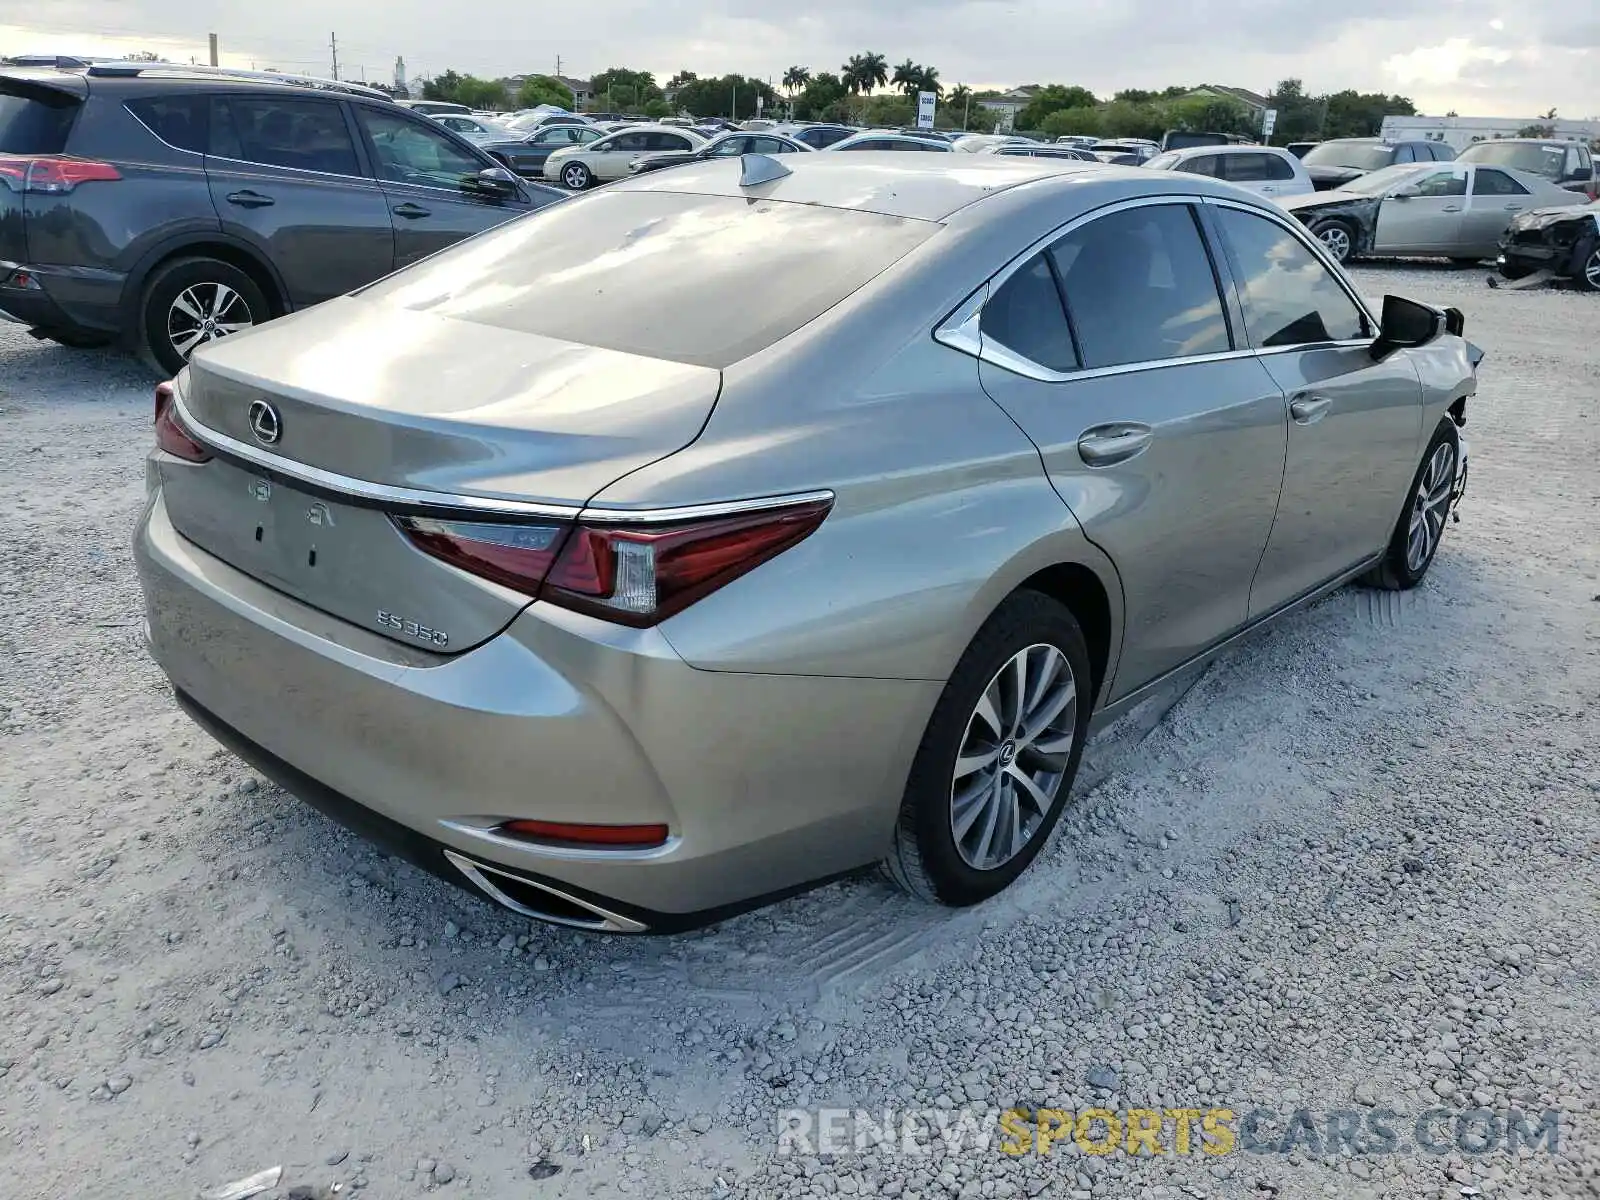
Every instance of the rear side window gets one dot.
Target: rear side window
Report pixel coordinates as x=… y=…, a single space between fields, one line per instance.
x=1289 y=297
x=1201 y=164
x=1487 y=181
x=179 y=121
x=35 y=120
x=1025 y=316
x=308 y=135
x=667 y=275
x=1140 y=287
x=1246 y=168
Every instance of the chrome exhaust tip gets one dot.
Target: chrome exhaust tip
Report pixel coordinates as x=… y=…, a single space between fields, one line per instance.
x=540 y=901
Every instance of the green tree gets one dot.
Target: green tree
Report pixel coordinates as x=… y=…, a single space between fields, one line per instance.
x=958 y=106
x=681 y=78
x=442 y=87
x=1053 y=98
x=821 y=98
x=928 y=81
x=795 y=79
x=1208 y=114
x=864 y=72
x=1300 y=117
x=1125 y=119
x=657 y=109
x=1360 y=114
x=618 y=88
x=887 y=112
x=1064 y=121
x=1135 y=96
x=907 y=76
x=544 y=89
x=731 y=96
x=465 y=89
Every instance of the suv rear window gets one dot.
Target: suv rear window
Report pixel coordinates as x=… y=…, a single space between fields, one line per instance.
x=706 y=280
x=177 y=120
x=35 y=120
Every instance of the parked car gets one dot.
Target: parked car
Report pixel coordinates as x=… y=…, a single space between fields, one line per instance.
x=529 y=121
x=526 y=153
x=757 y=124
x=1568 y=165
x=1451 y=210
x=817 y=136
x=1334 y=164
x=932 y=135
x=978 y=143
x=729 y=145
x=1266 y=170
x=1065 y=153
x=887 y=140
x=687 y=600
x=470 y=127
x=1183 y=139
x=164 y=209
x=1111 y=152
x=433 y=108
x=1563 y=239
x=1076 y=139
x=607 y=158
x=1301 y=149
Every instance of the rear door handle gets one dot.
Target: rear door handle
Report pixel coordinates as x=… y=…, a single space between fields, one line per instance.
x=411 y=211
x=1451 y=208
x=1107 y=445
x=249 y=199
x=1513 y=208
x=1307 y=409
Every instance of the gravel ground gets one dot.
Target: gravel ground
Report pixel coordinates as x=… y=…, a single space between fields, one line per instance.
x=1356 y=866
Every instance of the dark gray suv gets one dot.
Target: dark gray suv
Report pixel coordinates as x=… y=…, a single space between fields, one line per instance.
x=164 y=206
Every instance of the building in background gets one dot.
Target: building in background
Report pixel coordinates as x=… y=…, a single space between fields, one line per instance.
x=1461 y=132
x=1256 y=103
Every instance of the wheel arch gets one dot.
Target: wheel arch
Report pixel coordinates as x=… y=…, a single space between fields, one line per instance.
x=210 y=244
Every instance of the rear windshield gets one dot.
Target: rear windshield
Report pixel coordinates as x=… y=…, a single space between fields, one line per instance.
x=1357 y=156
x=1520 y=156
x=706 y=280
x=35 y=121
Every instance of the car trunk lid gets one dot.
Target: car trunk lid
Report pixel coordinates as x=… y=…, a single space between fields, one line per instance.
x=37 y=111
x=387 y=411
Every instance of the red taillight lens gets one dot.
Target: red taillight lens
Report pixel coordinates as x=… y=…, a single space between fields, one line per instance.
x=641 y=575
x=635 y=574
x=170 y=433
x=515 y=556
x=52 y=174
x=620 y=837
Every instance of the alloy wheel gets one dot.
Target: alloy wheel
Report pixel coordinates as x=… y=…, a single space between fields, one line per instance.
x=1337 y=239
x=1013 y=756
x=1430 y=507
x=1591 y=271
x=204 y=313
x=575 y=176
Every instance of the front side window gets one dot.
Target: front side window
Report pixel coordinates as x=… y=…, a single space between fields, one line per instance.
x=1140 y=287
x=408 y=152
x=307 y=135
x=1290 y=298
x=1026 y=317
x=623 y=143
x=728 y=147
x=1487 y=181
x=1442 y=183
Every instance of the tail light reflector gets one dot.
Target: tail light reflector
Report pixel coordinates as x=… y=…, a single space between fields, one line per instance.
x=631 y=573
x=619 y=837
x=52 y=174
x=171 y=436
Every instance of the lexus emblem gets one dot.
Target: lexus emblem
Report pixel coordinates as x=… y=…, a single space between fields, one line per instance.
x=265 y=422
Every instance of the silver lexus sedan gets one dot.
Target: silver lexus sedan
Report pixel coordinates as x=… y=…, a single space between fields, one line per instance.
x=738 y=526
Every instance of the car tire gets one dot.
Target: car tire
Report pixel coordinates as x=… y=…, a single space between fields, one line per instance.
x=1424 y=515
x=1338 y=237
x=176 y=291
x=576 y=176
x=932 y=856
x=1588 y=275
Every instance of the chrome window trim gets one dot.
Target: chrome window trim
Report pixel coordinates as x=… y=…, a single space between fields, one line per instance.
x=1303 y=236
x=382 y=493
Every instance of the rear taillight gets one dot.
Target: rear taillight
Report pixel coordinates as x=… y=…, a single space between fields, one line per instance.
x=632 y=573
x=52 y=174
x=171 y=436
x=566 y=833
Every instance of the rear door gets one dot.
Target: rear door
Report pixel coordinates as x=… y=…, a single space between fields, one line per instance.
x=609 y=159
x=1354 y=424
x=1255 y=172
x=1165 y=442
x=1494 y=199
x=429 y=183
x=286 y=178
x=1428 y=222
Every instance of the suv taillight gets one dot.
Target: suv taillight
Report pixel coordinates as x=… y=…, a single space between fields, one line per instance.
x=52 y=174
x=633 y=574
x=171 y=436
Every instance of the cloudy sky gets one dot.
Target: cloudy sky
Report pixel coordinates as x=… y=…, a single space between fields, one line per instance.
x=1478 y=57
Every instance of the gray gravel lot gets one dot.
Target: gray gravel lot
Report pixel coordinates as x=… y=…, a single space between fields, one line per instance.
x=1356 y=867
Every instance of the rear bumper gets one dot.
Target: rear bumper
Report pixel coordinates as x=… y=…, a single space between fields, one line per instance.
x=767 y=783
x=77 y=300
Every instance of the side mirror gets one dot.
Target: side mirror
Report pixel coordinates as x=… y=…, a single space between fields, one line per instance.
x=496 y=181
x=1406 y=324
x=1407 y=192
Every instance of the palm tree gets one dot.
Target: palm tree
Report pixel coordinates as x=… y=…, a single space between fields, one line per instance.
x=928 y=81
x=796 y=78
x=908 y=77
x=875 y=70
x=961 y=101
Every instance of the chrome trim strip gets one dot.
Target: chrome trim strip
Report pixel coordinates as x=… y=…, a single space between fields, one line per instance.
x=605 y=920
x=483 y=829
x=699 y=512
x=364 y=489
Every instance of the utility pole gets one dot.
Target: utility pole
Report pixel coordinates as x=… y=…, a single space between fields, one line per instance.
x=333 y=47
x=558 y=66
x=213 y=49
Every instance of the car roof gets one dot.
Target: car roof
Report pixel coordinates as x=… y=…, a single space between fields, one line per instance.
x=926 y=187
x=1525 y=141
x=654 y=128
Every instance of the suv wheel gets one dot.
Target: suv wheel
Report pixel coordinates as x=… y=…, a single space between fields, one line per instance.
x=191 y=301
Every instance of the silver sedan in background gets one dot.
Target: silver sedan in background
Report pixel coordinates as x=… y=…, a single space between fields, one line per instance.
x=759 y=520
x=1446 y=209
